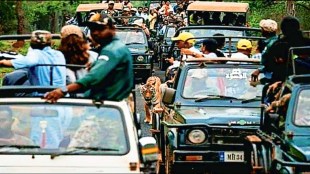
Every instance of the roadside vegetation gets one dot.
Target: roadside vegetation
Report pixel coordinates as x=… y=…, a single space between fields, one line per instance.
x=21 y=17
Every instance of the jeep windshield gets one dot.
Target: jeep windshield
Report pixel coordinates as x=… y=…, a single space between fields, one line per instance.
x=302 y=116
x=56 y=130
x=131 y=37
x=220 y=83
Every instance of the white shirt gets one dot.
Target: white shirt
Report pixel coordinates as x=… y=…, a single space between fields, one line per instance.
x=176 y=63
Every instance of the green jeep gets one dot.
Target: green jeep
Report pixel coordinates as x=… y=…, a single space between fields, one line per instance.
x=209 y=109
x=282 y=144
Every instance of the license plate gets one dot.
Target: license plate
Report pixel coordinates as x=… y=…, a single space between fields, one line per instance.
x=232 y=156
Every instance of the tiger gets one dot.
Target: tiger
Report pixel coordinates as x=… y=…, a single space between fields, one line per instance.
x=151 y=92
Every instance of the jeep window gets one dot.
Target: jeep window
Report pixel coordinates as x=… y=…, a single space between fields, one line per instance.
x=302 y=116
x=131 y=36
x=60 y=129
x=211 y=32
x=230 y=82
x=233 y=19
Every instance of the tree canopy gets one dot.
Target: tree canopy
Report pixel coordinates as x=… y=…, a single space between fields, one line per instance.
x=51 y=15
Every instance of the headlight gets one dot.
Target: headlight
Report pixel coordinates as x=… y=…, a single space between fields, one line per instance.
x=140 y=59
x=196 y=136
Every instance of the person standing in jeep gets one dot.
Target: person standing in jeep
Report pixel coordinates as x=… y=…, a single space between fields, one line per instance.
x=111 y=76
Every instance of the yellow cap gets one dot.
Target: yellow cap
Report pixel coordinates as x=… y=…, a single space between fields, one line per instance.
x=185 y=36
x=244 y=44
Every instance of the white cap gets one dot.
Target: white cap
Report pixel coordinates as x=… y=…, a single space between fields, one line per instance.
x=268 y=25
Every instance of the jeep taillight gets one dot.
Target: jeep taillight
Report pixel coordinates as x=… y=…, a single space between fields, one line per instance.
x=133 y=166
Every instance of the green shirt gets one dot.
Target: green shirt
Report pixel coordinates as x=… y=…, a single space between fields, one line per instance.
x=111 y=76
x=266 y=52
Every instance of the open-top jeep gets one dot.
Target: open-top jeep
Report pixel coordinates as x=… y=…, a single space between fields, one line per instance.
x=231 y=34
x=74 y=135
x=282 y=143
x=163 y=46
x=212 y=108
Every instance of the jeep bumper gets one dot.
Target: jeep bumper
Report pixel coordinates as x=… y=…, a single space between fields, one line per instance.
x=200 y=161
x=142 y=72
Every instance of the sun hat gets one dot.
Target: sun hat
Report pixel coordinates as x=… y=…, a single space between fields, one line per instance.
x=69 y=30
x=185 y=36
x=268 y=25
x=41 y=37
x=244 y=44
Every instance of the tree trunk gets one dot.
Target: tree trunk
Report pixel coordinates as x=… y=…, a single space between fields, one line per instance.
x=53 y=22
x=20 y=17
x=20 y=23
x=290 y=7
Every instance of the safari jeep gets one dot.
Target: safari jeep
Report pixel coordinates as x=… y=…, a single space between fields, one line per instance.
x=282 y=144
x=163 y=46
x=83 y=11
x=135 y=39
x=75 y=135
x=209 y=110
x=234 y=13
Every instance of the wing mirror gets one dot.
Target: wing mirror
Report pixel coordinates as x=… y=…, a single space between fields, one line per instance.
x=169 y=96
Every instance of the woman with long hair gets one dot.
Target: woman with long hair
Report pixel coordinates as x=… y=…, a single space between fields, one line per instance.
x=76 y=50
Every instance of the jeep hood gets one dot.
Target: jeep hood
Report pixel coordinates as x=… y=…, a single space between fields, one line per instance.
x=306 y=152
x=65 y=164
x=220 y=115
x=300 y=147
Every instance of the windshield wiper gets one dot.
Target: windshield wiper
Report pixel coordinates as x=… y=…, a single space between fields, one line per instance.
x=131 y=43
x=77 y=150
x=20 y=146
x=215 y=97
x=251 y=100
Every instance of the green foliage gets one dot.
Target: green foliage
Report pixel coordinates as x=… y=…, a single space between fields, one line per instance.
x=39 y=14
x=261 y=10
x=7 y=16
x=139 y=3
x=302 y=13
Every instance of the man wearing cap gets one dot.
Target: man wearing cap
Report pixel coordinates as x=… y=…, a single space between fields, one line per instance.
x=269 y=28
x=40 y=52
x=111 y=11
x=244 y=49
x=140 y=13
x=133 y=11
x=111 y=76
x=126 y=14
x=184 y=41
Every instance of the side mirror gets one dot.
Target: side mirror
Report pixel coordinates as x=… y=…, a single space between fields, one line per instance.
x=169 y=96
x=149 y=149
x=151 y=53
